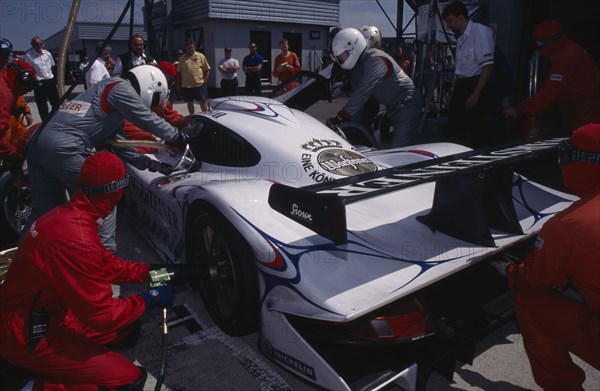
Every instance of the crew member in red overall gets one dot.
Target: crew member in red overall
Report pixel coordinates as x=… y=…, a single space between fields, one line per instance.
x=59 y=285
x=16 y=79
x=574 y=82
x=567 y=253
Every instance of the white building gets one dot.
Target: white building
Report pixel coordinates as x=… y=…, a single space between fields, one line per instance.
x=216 y=24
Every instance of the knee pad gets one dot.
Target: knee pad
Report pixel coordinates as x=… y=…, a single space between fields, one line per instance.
x=137 y=385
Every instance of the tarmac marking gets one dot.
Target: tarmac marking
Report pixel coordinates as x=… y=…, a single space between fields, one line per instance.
x=266 y=377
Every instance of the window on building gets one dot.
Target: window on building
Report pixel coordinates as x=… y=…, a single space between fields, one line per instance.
x=198 y=36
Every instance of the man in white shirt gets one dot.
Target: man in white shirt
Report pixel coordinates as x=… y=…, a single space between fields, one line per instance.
x=228 y=66
x=98 y=70
x=474 y=65
x=42 y=62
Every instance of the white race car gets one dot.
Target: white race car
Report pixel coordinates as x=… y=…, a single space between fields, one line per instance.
x=362 y=270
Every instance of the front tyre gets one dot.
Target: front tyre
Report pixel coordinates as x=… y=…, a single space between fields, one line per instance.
x=15 y=196
x=228 y=283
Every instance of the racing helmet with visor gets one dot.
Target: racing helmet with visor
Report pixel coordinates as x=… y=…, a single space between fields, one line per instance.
x=150 y=83
x=372 y=36
x=347 y=47
x=25 y=74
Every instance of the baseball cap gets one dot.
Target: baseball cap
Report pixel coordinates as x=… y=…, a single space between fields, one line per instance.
x=228 y=49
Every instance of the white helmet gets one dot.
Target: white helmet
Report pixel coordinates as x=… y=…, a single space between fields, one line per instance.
x=372 y=36
x=150 y=83
x=347 y=46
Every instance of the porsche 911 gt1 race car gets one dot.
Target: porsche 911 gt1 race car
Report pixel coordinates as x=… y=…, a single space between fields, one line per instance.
x=362 y=269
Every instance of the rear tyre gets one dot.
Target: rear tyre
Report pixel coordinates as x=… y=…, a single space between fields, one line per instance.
x=228 y=283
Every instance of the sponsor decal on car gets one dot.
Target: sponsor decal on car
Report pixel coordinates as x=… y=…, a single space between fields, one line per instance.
x=345 y=162
x=296 y=211
x=289 y=361
x=325 y=157
x=155 y=215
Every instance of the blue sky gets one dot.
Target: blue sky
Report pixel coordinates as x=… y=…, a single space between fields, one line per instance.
x=356 y=13
x=22 y=19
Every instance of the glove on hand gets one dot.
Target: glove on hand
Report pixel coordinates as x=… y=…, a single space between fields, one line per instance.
x=180 y=142
x=159 y=296
x=500 y=266
x=163 y=168
x=178 y=274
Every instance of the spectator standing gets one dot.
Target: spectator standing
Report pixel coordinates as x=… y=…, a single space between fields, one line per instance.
x=376 y=74
x=192 y=76
x=99 y=71
x=59 y=284
x=573 y=84
x=177 y=93
x=228 y=66
x=252 y=67
x=474 y=66
x=45 y=90
x=55 y=156
x=133 y=58
x=84 y=63
x=566 y=254
x=397 y=54
x=286 y=64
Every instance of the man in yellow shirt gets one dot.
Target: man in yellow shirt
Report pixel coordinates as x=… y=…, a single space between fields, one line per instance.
x=192 y=75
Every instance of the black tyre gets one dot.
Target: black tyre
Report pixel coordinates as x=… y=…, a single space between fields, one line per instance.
x=357 y=134
x=16 y=201
x=228 y=283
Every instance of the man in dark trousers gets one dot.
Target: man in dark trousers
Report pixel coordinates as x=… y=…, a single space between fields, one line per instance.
x=252 y=67
x=45 y=90
x=474 y=66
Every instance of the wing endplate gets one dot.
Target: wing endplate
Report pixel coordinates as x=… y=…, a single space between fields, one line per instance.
x=321 y=213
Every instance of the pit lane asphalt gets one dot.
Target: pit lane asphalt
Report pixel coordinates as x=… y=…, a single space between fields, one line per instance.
x=201 y=357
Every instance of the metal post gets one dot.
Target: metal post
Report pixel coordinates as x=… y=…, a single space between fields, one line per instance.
x=399 y=21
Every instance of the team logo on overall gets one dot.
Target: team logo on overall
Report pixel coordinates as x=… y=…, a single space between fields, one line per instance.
x=345 y=162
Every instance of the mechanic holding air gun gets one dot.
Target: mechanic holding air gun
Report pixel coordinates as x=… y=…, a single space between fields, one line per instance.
x=566 y=253
x=58 y=316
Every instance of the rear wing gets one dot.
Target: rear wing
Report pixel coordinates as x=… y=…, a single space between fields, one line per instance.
x=473 y=193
